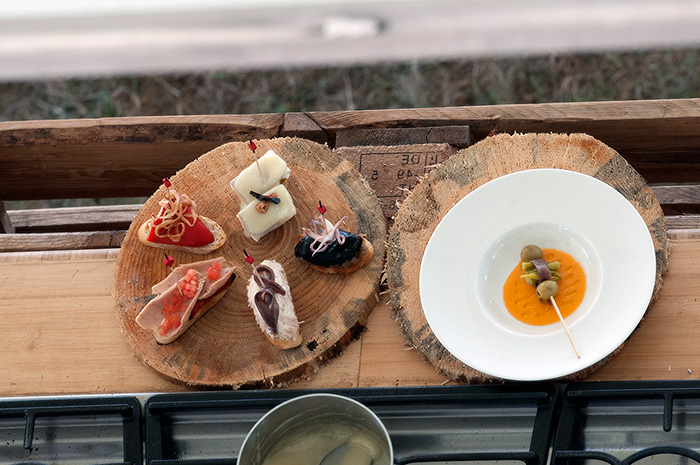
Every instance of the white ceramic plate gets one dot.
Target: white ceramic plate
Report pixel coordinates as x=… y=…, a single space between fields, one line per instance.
x=477 y=244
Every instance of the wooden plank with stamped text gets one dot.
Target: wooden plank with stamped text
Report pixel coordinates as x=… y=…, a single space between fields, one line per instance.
x=393 y=171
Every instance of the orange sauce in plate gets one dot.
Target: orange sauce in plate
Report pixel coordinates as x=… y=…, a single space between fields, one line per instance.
x=521 y=299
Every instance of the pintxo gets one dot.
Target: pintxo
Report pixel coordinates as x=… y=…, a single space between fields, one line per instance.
x=265 y=201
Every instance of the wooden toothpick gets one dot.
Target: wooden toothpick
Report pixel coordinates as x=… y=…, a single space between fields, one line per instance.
x=561 y=318
x=253 y=147
x=249 y=259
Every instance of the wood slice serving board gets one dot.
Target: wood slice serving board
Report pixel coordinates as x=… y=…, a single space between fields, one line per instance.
x=225 y=347
x=469 y=169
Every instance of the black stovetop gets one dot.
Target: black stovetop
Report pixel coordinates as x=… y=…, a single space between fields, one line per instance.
x=531 y=424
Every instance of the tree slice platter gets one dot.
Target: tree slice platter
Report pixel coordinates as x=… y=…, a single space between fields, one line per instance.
x=225 y=347
x=495 y=156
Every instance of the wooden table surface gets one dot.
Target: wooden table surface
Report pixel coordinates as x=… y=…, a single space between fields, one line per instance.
x=60 y=334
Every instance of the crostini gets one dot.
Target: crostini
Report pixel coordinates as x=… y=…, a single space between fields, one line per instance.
x=270 y=299
x=185 y=296
x=329 y=249
x=177 y=226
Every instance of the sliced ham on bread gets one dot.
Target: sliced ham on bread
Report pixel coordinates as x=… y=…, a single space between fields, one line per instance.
x=177 y=306
x=210 y=285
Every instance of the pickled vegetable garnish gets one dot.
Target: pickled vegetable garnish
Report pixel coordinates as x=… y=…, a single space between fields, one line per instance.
x=523 y=303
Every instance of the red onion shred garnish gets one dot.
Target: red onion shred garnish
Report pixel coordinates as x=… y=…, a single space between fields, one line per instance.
x=324 y=233
x=543 y=273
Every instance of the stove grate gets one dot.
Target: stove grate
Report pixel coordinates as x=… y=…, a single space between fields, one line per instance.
x=633 y=422
x=71 y=431
x=621 y=423
x=508 y=424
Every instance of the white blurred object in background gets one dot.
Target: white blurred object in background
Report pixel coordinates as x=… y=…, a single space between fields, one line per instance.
x=73 y=38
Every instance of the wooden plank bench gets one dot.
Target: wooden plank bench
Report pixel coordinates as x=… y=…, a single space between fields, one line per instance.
x=57 y=268
x=127 y=157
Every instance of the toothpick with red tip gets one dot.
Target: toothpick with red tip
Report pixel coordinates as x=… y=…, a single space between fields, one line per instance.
x=166 y=181
x=322 y=210
x=250 y=260
x=253 y=147
x=168 y=261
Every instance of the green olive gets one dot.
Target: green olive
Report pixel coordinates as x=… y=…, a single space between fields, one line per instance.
x=547 y=289
x=530 y=252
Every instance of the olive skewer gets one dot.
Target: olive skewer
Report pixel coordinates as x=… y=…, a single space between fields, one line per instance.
x=547 y=288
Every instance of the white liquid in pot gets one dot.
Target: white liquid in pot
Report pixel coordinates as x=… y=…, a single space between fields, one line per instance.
x=309 y=443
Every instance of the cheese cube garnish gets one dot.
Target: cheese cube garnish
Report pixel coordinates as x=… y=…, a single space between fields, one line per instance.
x=274 y=172
x=256 y=224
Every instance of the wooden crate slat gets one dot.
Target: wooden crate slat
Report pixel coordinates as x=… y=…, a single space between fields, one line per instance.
x=459 y=136
x=113 y=157
x=302 y=125
x=648 y=126
x=677 y=194
x=683 y=222
x=147 y=129
x=61 y=241
x=108 y=217
x=6 y=225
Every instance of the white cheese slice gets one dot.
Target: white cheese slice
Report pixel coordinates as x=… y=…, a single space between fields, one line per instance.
x=274 y=171
x=256 y=224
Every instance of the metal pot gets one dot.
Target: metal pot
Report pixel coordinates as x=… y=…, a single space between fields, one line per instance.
x=312 y=410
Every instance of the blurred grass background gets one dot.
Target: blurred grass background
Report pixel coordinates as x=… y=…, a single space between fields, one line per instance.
x=651 y=74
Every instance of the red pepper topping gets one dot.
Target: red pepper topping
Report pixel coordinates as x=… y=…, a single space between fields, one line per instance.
x=194 y=236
